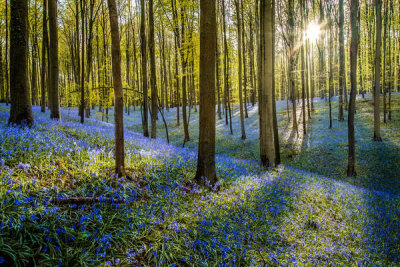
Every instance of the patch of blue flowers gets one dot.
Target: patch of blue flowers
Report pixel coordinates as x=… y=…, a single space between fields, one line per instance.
x=284 y=217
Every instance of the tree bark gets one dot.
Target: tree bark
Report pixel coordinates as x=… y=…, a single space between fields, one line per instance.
x=239 y=33
x=377 y=89
x=267 y=146
x=184 y=77
x=208 y=35
x=119 y=96
x=153 y=80
x=21 y=109
x=43 y=67
x=354 y=13
x=144 y=68
x=292 y=61
x=54 y=94
x=342 y=63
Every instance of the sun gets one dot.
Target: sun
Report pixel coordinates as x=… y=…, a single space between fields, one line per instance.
x=313 y=32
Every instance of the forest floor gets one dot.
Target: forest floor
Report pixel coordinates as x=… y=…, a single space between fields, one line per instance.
x=305 y=212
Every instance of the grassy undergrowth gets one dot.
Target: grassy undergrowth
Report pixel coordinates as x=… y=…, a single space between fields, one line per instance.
x=156 y=216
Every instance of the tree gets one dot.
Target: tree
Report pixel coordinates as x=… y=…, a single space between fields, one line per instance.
x=184 y=76
x=267 y=147
x=239 y=34
x=208 y=39
x=144 y=68
x=354 y=17
x=227 y=100
x=21 y=109
x=291 y=55
x=153 y=81
x=119 y=96
x=82 y=75
x=342 y=66
x=43 y=67
x=377 y=89
x=55 y=104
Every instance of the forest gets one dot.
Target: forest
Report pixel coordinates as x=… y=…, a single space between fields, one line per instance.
x=199 y=133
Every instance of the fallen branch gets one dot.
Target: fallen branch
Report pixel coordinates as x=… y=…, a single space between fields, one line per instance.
x=83 y=200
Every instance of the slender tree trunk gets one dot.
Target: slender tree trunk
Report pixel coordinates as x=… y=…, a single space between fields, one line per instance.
x=119 y=96
x=342 y=63
x=226 y=74
x=274 y=118
x=208 y=34
x=153 y=79
x=246 y=115
x=6 y=57
x=228 y=111
x=55 y=102
x=292 y=62
x=2 y=87
x=308 y=79
x=252 y=68
x=82 y=76
x=43 y=67
x=239 y=30
x=21 y=109
x=217 y=81
x=391 y=83
x=377 y=89
x=89 y=59
x=34 y=87
x=184 y=77
x=354 y=13
x=303 y=71
x=322 y=74
x=144 y=68
x=330 y=89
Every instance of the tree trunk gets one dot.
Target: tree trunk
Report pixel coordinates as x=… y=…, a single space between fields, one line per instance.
x=228 y=111
x=208 y=34
x=246 y=115
x=6 y=57
x=118 y=93
x=239 y=32
x=144 y=68
x=55 y=102
x=322 y=74
x=21 y=109
x=184 y=77
x=153 y=81
x=82 y=75
x=267 y=147
x=354 y=13
x=43 y=67
x=34 y=87
x=252 y=69
x=303 y=71
x=330 y=89
x=2 y=88
x=217 y=81
x=292 y=62
x=377 y=89
x=342 y=63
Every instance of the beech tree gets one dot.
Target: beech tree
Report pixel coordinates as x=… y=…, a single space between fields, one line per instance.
x=208 y=39
x=21 y=109
x=118 y=93
x=153 y=81
x=53 y=73
x=377 y=86
x=267 y=147
x=354 y=17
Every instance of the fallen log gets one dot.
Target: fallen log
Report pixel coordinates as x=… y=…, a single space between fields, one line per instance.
x=83 y=200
